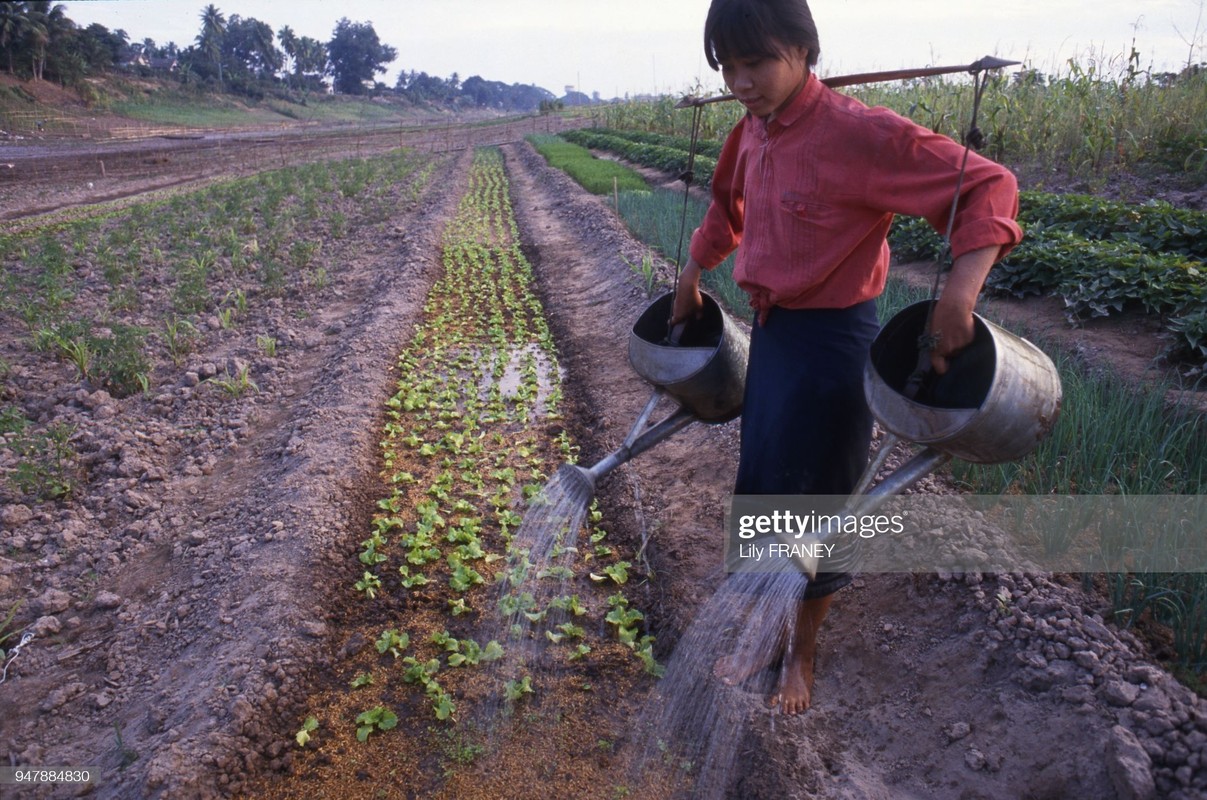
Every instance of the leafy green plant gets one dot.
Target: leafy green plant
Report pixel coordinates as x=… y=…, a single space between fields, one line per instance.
x=301 y=253
x=12 y=420
x=1190 y=332
x=647 y=271
x=238 y=384
x=191 y=294
x=318 y=278
x=45 y=464
x=78 y=352
x=596 y=175
x=515 y=690
x=370 y=584
x=180 y=338
x=442 y=704
x=378 y=718
x=618 y=572
x=673 y=160
x=393 y=642
x=5 y=631
x=121 y=361
x=308 y=727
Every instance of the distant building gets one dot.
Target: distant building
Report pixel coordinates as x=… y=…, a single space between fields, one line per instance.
x=574 y=98
x=140 y=61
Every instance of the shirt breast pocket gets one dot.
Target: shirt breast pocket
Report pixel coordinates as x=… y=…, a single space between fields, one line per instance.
x=804 y=225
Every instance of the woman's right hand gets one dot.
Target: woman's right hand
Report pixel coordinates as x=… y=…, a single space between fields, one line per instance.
x=689 y=304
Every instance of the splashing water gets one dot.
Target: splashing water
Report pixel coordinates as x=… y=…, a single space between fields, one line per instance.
x=554 y=517
x=694 y=722
x=538 y=565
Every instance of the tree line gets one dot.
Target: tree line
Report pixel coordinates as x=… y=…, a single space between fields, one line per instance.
x=237 y=54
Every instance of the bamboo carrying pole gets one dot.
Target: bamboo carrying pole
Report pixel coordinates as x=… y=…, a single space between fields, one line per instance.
x=988 y=62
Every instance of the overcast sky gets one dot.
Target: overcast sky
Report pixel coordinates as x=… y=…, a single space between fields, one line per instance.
x=619 y=47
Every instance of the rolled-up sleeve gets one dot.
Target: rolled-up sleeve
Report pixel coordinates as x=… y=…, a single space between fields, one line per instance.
x=922 y=170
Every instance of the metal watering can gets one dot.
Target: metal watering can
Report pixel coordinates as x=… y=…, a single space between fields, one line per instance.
x=999 y=398
x=701 y=365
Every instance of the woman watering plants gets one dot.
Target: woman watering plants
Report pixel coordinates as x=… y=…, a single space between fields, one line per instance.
x=807 y=185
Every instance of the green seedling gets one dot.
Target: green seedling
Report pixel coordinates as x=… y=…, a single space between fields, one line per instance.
x=378 y=718
x=410 y=581
x=443 y=705
x=393 y=642
x=180 y=337
x=514 y=691
x=309 y=726
x=570 y=604
x=236 y=385
x=618 y=572
x=420 y=672
x=370 y=556
x=561 y=573
x=567 y=630
x=370 y=584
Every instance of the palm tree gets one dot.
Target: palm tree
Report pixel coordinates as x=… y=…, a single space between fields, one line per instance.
x=213 y=26
x=38 y=36
x=289 y=43
x=270 y=56
x=12 y=26
x=311 y=56
x=44 y=24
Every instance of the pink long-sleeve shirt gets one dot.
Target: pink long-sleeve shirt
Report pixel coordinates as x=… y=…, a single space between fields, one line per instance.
x=810 y=197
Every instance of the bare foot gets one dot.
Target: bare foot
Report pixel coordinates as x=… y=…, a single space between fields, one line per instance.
x=795 y=693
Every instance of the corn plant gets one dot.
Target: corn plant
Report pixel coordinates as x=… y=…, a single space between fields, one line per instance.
x=236 y=385
x=180 y=337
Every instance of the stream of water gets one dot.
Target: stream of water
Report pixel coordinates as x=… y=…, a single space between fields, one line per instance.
x=532 y=597
x=695 y=723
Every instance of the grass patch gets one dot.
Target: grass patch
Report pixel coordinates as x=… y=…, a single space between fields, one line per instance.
x=596 y=175
x=655 y=216
x=192 y=114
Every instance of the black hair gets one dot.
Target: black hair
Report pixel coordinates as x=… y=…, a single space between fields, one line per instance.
x=744 y=28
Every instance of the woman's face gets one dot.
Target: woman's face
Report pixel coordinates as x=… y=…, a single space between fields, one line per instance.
x=766 y=84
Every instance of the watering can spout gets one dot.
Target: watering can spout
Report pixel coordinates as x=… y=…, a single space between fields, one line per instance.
x=639 y=440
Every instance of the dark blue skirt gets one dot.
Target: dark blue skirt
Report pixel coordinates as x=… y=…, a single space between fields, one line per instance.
x=806 y=427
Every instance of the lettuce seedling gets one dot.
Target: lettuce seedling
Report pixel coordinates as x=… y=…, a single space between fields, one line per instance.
x=377 y=718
